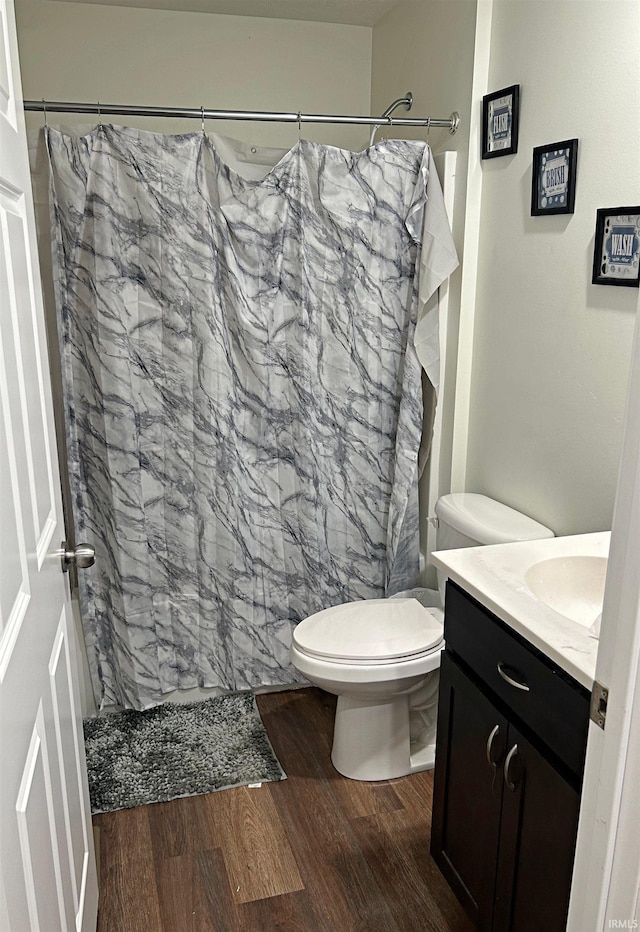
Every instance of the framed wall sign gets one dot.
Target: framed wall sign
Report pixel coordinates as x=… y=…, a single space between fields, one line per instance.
x=616 y=256
x=553 y=180
x=500 y=113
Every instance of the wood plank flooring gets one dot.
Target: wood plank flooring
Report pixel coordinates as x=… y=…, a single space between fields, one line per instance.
x=313 y=853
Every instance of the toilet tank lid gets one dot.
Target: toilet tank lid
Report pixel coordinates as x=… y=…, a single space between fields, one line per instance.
x=371 y=630
x=487 y=521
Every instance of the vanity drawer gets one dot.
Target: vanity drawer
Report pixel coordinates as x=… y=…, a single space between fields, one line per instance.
x=554 y=706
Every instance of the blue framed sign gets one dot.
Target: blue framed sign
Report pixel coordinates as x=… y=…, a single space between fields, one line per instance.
x=553 y=178
x=616 y=256
x=500 y=118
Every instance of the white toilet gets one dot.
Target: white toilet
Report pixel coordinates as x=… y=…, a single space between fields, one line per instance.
x=381 y=656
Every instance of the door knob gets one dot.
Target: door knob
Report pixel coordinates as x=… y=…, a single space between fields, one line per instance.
x=83 y=556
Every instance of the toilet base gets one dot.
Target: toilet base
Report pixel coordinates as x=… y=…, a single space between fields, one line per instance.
x=423 y=758
x=371 y=740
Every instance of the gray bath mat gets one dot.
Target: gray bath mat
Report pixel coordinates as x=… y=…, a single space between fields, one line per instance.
x=134 y=758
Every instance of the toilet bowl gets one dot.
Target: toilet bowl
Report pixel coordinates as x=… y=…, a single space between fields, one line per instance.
x=381 y=657
x=373 y=655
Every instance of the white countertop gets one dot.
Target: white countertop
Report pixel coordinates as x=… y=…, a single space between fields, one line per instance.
x=495 y=576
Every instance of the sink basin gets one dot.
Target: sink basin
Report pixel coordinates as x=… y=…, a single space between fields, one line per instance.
x=572 y=586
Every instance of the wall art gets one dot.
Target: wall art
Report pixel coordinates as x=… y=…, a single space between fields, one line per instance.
x=616 y=256
x=553 y=178
x=500 y=116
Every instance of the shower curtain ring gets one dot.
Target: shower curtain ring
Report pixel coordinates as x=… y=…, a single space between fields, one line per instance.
x=99 y=115
x=428 y=126
x=44 y=110
x=202 y=114
x=299 y=125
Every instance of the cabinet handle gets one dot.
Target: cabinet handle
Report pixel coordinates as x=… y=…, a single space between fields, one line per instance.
x=494 y=733
x=519 y=684
x=507 y=766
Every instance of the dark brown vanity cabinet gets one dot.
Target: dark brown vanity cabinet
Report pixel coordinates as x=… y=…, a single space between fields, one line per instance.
x=511 y=740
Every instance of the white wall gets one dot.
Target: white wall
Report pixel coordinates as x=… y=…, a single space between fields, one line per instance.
x=89 y=52
x=551 y=351
x=428 y=48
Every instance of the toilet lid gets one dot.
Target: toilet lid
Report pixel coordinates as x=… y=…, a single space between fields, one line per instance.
x=373 y=630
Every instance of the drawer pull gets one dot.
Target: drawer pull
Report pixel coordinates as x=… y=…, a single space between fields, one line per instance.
x=507 y=766
x=519 y=684
x=494 y=734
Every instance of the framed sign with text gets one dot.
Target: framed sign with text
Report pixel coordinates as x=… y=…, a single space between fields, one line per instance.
x=616 y=256
x=500 y=115
x=553 y=180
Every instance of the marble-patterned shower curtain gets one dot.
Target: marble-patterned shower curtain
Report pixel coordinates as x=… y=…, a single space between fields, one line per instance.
x=242 y=393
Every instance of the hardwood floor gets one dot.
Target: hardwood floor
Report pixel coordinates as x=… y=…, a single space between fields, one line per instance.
x=314 y=853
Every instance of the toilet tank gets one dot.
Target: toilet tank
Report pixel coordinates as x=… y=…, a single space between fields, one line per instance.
x=466 y=519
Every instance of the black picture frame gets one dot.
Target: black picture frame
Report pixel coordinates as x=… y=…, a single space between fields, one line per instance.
x=500 y=120
x=553 y=178
x=616 y=253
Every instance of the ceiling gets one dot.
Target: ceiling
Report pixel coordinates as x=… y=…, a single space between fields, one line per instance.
x=348 y=12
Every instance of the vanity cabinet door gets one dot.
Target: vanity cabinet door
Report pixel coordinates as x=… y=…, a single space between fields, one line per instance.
x=505 y=806
x=468 y=789
x=537 y=842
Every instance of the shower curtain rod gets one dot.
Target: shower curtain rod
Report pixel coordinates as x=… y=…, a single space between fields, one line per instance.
x=200 y=113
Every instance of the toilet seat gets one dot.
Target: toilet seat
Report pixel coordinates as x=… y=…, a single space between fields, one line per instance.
x=369 y=632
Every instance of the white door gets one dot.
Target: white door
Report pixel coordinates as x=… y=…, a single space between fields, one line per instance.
x=47 y=866
x=606 y=881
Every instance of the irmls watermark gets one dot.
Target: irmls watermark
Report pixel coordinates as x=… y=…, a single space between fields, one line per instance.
x=623 y=923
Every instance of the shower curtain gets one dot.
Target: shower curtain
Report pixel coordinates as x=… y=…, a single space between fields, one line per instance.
x=242 y=393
